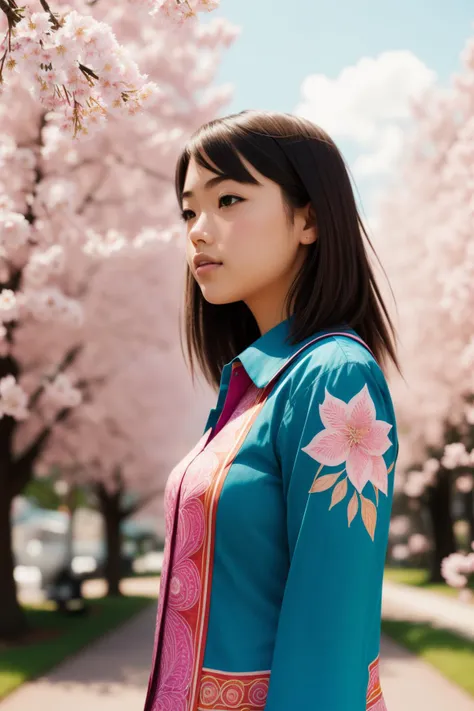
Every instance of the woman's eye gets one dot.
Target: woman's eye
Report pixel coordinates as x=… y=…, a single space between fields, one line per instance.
x=185 y=213
x=232 y=197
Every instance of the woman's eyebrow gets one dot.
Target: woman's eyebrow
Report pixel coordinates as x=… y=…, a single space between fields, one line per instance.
x=209 y=184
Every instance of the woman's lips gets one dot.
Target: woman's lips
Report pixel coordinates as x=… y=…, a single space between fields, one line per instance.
x=207 y=268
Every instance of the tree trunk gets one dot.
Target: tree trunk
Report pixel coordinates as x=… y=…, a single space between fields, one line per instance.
x=439 y=506
x=113 y=564
x=468 y=501
x=70 y=505
x=110 y=505
x=12 y=618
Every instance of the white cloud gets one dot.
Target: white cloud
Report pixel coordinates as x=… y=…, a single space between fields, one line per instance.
x=386 y=150
x=368 y=104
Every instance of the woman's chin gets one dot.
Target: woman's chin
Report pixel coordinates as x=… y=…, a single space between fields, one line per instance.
x=213 y=296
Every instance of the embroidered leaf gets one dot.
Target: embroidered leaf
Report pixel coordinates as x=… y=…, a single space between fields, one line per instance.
x=376 y=494
x=369 y=515
x=353 y=508
x=322 y=483
x=390 y=467
x=340 y=490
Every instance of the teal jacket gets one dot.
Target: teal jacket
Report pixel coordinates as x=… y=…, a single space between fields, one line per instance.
x=277 y=529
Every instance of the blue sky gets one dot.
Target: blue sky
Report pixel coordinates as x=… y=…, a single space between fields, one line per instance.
x=304 y=56
x=281 y=42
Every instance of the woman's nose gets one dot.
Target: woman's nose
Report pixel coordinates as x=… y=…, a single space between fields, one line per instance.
x=200 y=230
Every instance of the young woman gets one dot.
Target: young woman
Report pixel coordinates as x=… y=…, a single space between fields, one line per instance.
x=278 y=519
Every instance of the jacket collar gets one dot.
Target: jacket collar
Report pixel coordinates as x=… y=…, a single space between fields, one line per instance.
x=264 y=357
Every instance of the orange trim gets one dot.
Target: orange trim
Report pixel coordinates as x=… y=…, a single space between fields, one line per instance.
x=246 y=691
x=211 y=500
x=374 y=690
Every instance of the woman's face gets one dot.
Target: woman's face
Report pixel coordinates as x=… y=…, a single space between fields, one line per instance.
x=244 y=227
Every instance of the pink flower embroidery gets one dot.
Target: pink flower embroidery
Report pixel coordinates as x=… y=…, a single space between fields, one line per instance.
x=353 y=435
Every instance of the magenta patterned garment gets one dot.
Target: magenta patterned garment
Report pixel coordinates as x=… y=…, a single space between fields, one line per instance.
x=170 y=694
x=189 y=481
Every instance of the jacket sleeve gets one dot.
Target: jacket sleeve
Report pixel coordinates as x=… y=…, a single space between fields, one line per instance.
x=337 y=448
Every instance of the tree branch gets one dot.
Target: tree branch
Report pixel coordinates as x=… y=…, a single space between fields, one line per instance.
x=23 y=467
x=68 y=359
x=148 y=171
x=54 y=21
x=89 y=196
x=12 y=11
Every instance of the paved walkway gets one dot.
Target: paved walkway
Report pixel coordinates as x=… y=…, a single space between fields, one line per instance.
x=112 y=674
x=409 y=684
x=410 y=603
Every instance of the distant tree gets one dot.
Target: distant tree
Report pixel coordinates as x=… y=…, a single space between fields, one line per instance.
x=72 y=215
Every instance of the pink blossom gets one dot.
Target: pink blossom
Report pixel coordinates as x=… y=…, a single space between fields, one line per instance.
x=62 y=393
x=8 y=306
x=456 y=568
x=39 y=23
x=418 y=543
x=415 y=484
x=400 y=552
x=455 y=455
x=13 y=399
x=14 y=230
x=44 y=264
x=353 y=435
x=399 y=525
x=431 y=465
x=464 y=483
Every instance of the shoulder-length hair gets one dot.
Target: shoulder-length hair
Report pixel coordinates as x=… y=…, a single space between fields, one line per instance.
x=336 y=284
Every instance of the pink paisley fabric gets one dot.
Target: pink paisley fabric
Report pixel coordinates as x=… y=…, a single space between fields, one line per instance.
x=176 y=659
x=170 y=502
x=185 y=586
x=375 y=700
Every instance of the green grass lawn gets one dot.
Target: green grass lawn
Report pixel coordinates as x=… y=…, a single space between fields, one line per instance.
x=419 y=578
x=451 y=655
x=59 y=636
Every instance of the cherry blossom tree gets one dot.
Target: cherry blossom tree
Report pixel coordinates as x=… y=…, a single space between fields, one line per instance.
x=430 y=489
x=425 y=227
x=67 y=211
x=142 y=413
x=72 y=62
x=424 y=235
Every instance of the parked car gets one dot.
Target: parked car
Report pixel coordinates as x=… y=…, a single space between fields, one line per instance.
x=40 y=551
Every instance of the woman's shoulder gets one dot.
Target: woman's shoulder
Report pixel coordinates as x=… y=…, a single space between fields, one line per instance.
x=343 y=357
x=332 y=353
x=340 y=367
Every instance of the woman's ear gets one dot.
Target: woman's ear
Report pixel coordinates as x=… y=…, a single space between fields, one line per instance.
x=310 y=230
